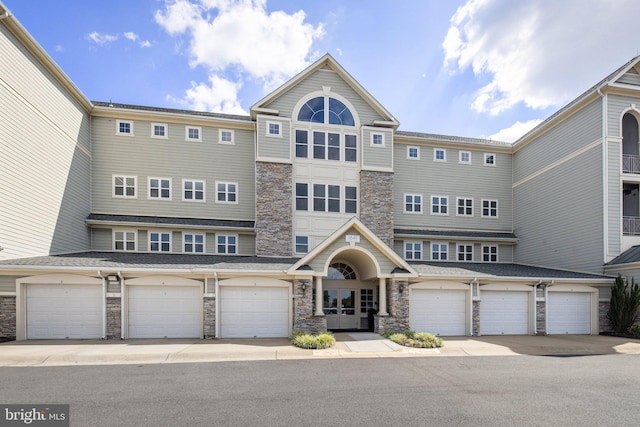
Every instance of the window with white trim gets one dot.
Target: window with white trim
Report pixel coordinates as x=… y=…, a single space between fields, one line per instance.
x=350 y=199
x=465 y=157
x=274 y=129
x=193 y=243
x=489 y=159
x=439 y=155
x=325 y=109
x=160 y=188
x=439 y=251
x=227 y=244
x=193 y=133
x=159 y=241
x=465 y=206
x=413 y=153
x=124 y=186
x=159 y=130
x=124 y=241
x=226 y=192
x=326 y=146
x=490 y=208
x=413 y=203
x=193 y=190
x=350 y=148
x=490 y=253
x=439 y=205
x=412 y=250
x=302 y=144
x=302 y=244
x=302 y=196
x=377 y=139
x=124 y=127
x=326 y=198
x=225 y=136
x=465 y=252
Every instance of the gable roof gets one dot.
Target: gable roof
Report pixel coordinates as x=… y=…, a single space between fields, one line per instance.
x=630 y=256
x=354 y=223
x=326 y=61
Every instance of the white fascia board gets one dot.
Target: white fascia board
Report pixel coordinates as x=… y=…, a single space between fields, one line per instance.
x=173 y=226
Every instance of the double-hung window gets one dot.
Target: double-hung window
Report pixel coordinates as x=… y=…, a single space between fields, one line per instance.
x=159 y=241
x=124 y=241
x=302 y=196
x=160 y=188
x=302 y=144
x=124 y=186
x=413 y=203
x=465 y=252
x=490 y=208
x=193 y=190
x=439 y=251
x=227 y=192
x=490 y=253
x=350 y=199
x=326 y=198
x=413 y=250
x=439 y=205
x=350 y=148
x=227 y=244
x=302 y=244
x=193 y=243
x=465 y=206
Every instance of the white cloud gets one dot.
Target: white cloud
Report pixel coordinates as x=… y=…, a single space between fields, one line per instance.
x=515 y=131
x=101 y=39
x=243 y=37
x=540 y=53
x=59 y=48
x=220 y=95
x=145 y=43
x=131 y=36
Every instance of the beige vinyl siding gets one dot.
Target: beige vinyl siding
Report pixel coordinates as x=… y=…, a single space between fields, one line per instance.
x=286 y=103
x=45 y=163
x=143 y=240
x=246 y=244
x=616 y=106
x=630 y=79
x=452 y=179
x=273 y=147
x=558 y=219
x=377 y=157
x=398 y=247
x=102 y=239
x=176 y=242
x=561 y=141
x=210 y=239
x=614 y=199
x=142 y=156
x=8 y=283
x=505 y=253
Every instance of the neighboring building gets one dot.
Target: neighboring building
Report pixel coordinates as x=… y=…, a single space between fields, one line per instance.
x=124 y=221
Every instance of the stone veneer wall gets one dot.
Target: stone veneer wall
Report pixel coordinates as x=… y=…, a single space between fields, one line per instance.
x=376 y=204
x=209 y=317
x=274 y=203
x=303 y=309
x=397 y=307
x=475 y=320
x=541 y=316
x=114 y=318
x=8 y=317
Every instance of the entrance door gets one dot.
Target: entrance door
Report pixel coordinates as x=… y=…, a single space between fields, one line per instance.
x=340 y=308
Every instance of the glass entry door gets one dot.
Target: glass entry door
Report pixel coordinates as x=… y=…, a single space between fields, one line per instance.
x=339 y=306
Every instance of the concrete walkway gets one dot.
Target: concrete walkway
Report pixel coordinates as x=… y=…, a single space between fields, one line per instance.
x=348 y=345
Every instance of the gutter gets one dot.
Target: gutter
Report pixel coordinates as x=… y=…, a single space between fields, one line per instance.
x=6 y=14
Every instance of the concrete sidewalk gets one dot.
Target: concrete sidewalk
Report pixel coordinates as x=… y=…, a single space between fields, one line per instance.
x=348 y=345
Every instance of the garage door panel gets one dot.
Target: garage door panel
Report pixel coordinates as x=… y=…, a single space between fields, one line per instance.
x=504 y=313
x=440 y=312
x=569 y=313
x=247 y=312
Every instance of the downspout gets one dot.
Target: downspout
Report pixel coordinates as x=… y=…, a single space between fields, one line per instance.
x=605 y=192
x=122 y=305
x=6 y=14
x=104 y=305
x=535 y=307
x=216 y=290
x=546 y=308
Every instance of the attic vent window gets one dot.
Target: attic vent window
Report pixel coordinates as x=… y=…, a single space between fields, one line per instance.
x=326 y=110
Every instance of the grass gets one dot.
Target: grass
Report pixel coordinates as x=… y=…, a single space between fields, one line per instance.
x=414 y=339
x=318 y=341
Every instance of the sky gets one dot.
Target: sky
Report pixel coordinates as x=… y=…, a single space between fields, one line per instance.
x=475 y=68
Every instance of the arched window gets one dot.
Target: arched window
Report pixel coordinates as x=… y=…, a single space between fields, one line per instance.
x=314 y=111
x=340 y=271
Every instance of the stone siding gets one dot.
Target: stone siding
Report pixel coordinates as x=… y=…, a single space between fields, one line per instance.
x=209 y=317
x=397 y=307
x=376 y=204
x=475 y=321
x=8 y=317
x=274 y=198
x=114 y=318
x=541 y=317
x=304 y=318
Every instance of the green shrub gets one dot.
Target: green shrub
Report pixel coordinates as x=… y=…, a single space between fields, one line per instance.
x=309 y=341
x=635 y=330
x=625 y=300
x=414 y=339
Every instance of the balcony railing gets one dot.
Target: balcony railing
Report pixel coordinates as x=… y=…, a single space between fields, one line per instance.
x=630 y=163
x=631 y=225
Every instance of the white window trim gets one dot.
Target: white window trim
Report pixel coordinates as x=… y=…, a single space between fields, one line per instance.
x=124 y=177
x=159 y=189
x=458 y=244
x=409 y=151
x=166 y=131
x=204 y=243
x=435 y=155
x=124 y=231
x=490 y=246
x=295 y=244
x=497 y=208
x=226 y=183
x=186 y=133
x=472 y=207
x=486 y=156
x=124 y=133
x=381 y=136
x=204 y=190
x=439 y=197
x=233 y=137
x=227 y=244
x=413 y=242
x=273 y=135
x=404 y=204
x=462 y=162
x=160 y=232
x=446 y=245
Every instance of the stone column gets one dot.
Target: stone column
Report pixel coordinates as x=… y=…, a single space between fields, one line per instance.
x=382 y=297
x=209 y=305
x=319 y=311
x=8 y=317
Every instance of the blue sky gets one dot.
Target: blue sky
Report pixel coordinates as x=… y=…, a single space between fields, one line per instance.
x=476 y=68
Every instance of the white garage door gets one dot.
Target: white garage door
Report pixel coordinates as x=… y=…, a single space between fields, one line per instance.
x=504 y=313
x=64 y=311
x=569 y=313
x=165 y=312
x=439 y=312
x=254 y=312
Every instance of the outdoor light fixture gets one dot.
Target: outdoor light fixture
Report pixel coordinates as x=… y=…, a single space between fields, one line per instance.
x=303 y=287
x=112 y=278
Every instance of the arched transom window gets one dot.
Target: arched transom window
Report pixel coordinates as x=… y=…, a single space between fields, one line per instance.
x=316 y=110
x=341 y=271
